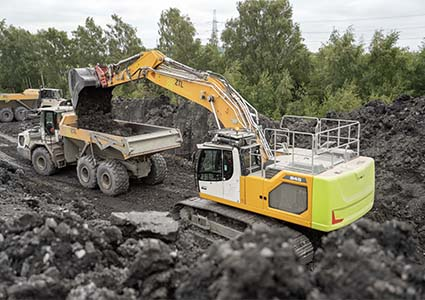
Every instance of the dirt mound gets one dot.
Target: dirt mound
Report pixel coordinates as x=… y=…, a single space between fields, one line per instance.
x=366 y=260
x=258 y=265
x=49 y=256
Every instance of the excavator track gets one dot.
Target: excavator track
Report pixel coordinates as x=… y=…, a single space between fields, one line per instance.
x=229 y=222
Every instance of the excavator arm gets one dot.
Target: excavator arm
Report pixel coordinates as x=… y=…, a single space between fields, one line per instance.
x=207 y=89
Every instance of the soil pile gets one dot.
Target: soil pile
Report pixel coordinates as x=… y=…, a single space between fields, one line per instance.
x=367 y=260
x=259 y=264
x=51 y=256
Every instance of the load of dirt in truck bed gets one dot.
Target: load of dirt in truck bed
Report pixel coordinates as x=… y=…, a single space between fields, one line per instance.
x=94 y=112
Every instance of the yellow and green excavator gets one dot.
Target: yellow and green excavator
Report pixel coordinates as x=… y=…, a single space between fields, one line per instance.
x=308 y=172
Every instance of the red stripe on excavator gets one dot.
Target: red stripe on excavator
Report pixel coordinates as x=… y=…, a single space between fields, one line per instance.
x=335 y=220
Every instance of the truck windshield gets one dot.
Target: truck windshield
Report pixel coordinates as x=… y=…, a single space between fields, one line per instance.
x=50 y=94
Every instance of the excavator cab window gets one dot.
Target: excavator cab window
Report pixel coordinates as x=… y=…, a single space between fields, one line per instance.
x=227 y=165
x=215 y=165
x=250 y=160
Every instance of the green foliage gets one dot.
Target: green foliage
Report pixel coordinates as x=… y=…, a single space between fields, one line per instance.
x=418 y=72
x=268 y=48
x=177 y=37
x=122 y=40
x=54 y=52
x=89 y=45
x=386 y=68
x=339 y=61
x=343 y=99
x=18 y=59
x=263 y=56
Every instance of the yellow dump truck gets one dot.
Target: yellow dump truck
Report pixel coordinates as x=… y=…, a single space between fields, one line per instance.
x=103 y=160
x=16 y=105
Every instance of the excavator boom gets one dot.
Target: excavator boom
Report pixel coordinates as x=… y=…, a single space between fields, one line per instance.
x=207 y=89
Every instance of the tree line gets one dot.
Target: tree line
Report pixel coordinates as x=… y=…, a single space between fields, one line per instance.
x=261 y=52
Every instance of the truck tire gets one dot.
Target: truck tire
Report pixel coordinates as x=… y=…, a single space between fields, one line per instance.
x=20 y=113
x=112 y=177
x=42 y=162
x=6 y=115
x=86 y=171
x=158 y=170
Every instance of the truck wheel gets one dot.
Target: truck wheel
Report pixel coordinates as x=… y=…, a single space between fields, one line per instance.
x=6 y=115
x=112 y=177
x=86 y=171
x=42 y=162
x=20 y=113
x=158 y=170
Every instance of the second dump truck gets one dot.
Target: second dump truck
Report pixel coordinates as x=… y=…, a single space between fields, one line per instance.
x=103 y=160
x=15 y=106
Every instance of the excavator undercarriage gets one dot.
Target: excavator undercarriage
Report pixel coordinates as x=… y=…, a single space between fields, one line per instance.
x=229 y=223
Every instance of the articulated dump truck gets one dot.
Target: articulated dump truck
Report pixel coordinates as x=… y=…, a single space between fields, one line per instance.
x=103 y=160
x=15 y=106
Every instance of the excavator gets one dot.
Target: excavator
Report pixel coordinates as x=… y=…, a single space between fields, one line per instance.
x=310 y=175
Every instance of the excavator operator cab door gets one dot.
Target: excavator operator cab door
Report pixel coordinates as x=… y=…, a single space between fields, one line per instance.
x=218 y=172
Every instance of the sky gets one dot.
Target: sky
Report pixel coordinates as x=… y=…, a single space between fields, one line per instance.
x=317 y=18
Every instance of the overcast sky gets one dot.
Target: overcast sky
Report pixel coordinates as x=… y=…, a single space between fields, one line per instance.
x=316 y=18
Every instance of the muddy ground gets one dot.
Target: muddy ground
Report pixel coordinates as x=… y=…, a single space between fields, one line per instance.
x=380 y=256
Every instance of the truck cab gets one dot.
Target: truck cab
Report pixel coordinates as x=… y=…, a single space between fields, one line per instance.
x=49 y=97
x=45 y=135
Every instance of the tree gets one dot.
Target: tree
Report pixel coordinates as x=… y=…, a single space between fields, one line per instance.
x=122 y=40
x=338 y=62
x=387 y=72
x=177 y=37
x=53 y=47
x=266 y=43
x=18 y=59
x=418 y=73
x=89 y=45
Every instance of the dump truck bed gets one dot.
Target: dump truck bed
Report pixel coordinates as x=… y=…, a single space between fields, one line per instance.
x=28 y=99
x=146 y=139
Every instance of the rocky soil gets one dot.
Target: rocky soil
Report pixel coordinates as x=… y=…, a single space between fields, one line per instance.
x=58 y=241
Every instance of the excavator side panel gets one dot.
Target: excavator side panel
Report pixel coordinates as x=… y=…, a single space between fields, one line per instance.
x=283 y=188
x=289 y=197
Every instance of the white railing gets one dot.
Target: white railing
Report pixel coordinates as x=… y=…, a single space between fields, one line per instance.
x=334 y=138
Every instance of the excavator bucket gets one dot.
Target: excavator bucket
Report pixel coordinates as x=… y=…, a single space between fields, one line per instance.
x=87 y=92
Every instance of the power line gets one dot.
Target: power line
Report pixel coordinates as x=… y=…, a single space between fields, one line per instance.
x=368 y=41
x=365 y=30
x=363 y=19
